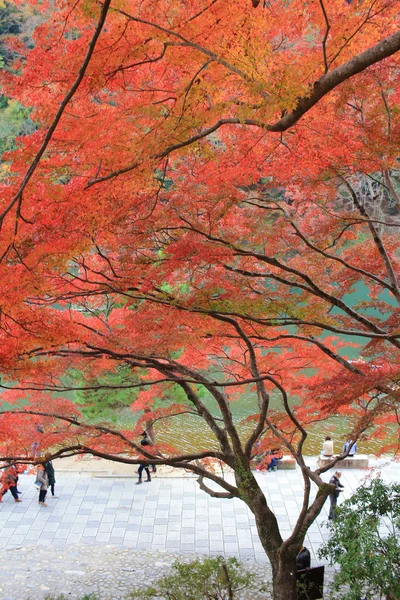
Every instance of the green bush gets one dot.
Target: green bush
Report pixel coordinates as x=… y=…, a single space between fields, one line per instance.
x=202 y=579
x=365 y=544
x=211 y=578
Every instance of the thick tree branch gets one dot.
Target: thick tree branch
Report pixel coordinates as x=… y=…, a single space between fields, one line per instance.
x=320 y=88
x=213 y=493
x=346 y=264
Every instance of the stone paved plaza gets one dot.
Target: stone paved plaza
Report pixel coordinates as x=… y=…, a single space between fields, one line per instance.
x=103 y=516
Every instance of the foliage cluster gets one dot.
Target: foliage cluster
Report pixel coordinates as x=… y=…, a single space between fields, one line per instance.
x=201 y=579
x=365 y=543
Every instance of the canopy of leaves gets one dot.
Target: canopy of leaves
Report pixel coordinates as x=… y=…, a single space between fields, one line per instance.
x=206 y=190
x=174 y=224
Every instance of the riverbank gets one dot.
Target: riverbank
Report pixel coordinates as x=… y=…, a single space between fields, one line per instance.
x=100 y=467
x=107 y=468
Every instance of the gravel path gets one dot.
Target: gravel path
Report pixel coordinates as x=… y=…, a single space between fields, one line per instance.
x=110 y=572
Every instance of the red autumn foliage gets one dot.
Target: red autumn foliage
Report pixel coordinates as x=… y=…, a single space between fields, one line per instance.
x=206 y=193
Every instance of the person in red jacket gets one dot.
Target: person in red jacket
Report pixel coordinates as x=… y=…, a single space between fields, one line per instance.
x=9 y=479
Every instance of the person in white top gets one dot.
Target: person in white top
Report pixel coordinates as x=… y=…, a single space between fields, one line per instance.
x=327 y=446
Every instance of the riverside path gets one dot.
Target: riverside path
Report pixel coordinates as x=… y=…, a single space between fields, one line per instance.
x=87 y=538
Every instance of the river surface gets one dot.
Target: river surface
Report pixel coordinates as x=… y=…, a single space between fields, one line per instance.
x=189 y=433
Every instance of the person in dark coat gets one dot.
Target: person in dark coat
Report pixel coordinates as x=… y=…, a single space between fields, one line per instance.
x=144 y=467
x=48 y=465
x=303 y=559
x=273 y=456
x=333 y=496
x=147 y=441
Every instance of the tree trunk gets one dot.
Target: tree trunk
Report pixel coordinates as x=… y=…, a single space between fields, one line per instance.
x=283 y=563
x=284 y=583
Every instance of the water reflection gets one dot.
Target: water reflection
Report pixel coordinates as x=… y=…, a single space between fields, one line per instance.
x=188 y=433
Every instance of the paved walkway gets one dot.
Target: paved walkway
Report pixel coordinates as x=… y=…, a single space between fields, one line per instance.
x=167 y=515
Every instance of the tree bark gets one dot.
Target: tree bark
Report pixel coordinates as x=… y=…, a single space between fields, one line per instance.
x=284 y=581
x=283 y=563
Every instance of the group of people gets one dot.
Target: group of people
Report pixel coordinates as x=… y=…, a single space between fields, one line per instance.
x=349 y=448
x=45 y=478
x=327 y=447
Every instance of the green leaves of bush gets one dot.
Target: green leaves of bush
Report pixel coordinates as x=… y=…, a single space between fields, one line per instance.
x=202 y=579
x=365 y=543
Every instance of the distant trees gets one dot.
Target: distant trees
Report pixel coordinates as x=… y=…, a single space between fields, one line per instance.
x=16 y=24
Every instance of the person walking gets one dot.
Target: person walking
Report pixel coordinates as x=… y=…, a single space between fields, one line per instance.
x=145 y=441
x=37 y=443
x=9 y=481
x=43 y=479
x=48 y=465
x=334 y=495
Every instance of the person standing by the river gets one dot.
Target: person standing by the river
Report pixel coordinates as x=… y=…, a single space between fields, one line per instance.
x=334 y=495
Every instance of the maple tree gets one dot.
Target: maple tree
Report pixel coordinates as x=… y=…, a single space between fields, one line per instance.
x=205 y=189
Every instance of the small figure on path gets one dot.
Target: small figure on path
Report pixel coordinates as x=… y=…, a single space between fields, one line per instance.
x=48 y=465
x=43 y=479
x=144 y=442
x=349 y=444
x=9 y=479
x=327 y=446
x=333 y=496
x=303 y=559
x=147 y=441
x=272 y=458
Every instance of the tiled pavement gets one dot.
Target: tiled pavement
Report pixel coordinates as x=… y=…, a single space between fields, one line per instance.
x=165 y=514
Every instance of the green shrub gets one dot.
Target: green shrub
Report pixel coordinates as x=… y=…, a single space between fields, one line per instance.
x=365 y=544
x=202 y=579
